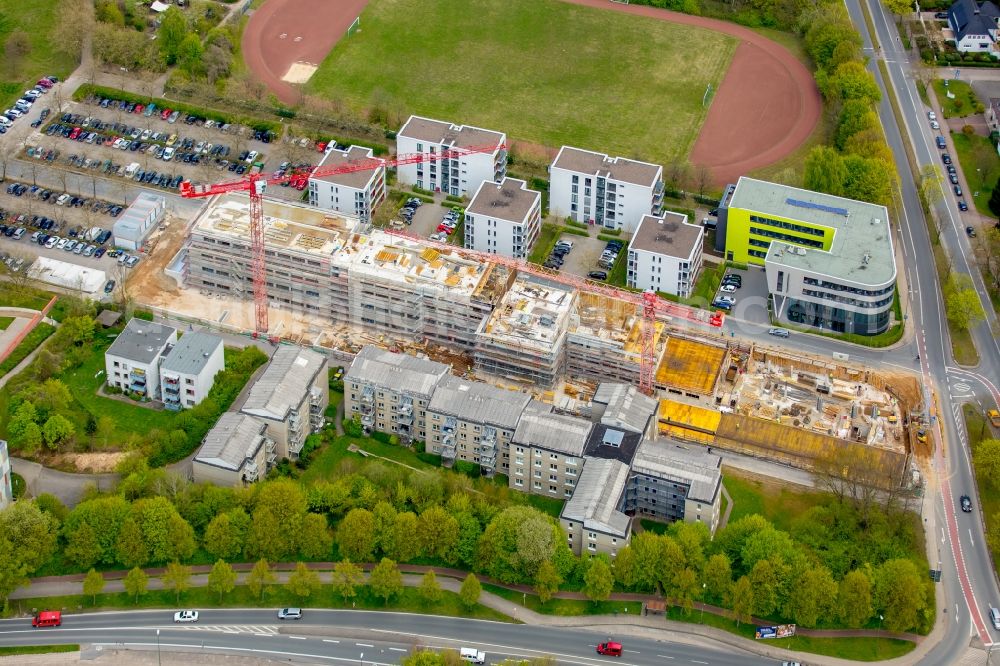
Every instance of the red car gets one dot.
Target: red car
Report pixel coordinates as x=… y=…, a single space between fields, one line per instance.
x=166 y=114
x=75 y=133
x=138 y=108
x=45 y=83
x=610 y=648
x=320 y=146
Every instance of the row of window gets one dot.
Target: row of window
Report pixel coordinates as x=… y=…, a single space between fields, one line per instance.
x=770 y=222
x=834 y=286
x=767 y=233
x=847 y=300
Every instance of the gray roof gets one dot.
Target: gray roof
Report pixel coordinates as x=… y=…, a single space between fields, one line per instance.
x=508 y=200
x=478 y=402
x=141 y=341
x=970 y=18
x=440 y=132
x=540 y=426
x=700 y=470
x=134 y=222
x=625 y=406
x=615 y=168
x=191 y=353
x=861 y=249
x=354 y=155
x=399 y=373
x=234 y=439
x=284 y=383
x=597 y=497
x=672 y=236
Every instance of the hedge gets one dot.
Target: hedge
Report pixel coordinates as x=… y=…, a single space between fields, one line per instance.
x=453 y=198
x=400 y=195
x=692 y=215
x=570 y=222
x=611 y=232
x=608 y=238
x=113 y=93
x=30 y=343
x=575 y=232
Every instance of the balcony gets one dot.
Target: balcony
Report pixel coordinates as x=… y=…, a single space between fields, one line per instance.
x=448 y=450
x=269 y=451
x=250 y=472
x=450 y=426
x=295 y=447
x=368 y=396
x=488 y=451
x=294 y=422
x=171 y=390
x=405 y=415
x=171 y=380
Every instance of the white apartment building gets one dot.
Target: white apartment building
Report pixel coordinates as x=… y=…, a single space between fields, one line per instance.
x=132 y=362
x=6 y=489
x=390 y=392
x=188 y=371
x=354 y=192
x=474 y=422
x=235 y=452
x=665 y=255
x=291 y=396
x=613 y=192
x=460 y=176
x=503 y=218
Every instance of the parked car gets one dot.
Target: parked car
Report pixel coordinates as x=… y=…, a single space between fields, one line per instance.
x=597 y=275
x=970 y=231
x=962 y=206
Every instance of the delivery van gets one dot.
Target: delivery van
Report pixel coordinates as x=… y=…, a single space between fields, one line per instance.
x=473 y=656
x=47 y=619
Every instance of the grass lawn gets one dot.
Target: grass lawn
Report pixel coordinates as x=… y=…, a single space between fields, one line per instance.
x=36 y=649
x=328 y=460
x=409 y=600
x=503 y=65
x=965 y=100
x=547 y=237
x=779 y=503
x=564 y=607
x=5 y=322
x=963 y=349
x=38 y=335
x=37 y=18
x=981 y=166
x=854 y=649
x=978 y=429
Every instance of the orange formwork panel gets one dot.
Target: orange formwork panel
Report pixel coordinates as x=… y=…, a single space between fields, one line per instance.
x=690 y=366
x=690 y=422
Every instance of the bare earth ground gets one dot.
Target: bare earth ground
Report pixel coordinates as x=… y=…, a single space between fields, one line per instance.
x=765 y=108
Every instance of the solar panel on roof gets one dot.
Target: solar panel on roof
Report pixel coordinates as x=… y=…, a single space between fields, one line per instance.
x=816 y=206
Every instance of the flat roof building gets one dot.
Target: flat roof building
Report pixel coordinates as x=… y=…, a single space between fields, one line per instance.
x=132 y=362
x=188 y=371
x=665 y=255
x=503 y=218
x=669 y=482
x=613 y=192
x=829 y=261
x=144 y=213
x=591 y=518
x=460 y=176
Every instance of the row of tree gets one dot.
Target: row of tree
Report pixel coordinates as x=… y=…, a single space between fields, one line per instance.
x=860 y=164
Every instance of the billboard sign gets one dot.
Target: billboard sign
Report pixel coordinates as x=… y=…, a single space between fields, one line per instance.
x=777 y=631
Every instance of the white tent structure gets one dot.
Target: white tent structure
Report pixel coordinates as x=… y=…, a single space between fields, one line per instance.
x=68 y=276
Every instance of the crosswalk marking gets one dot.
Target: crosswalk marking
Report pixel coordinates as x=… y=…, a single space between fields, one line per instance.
x=235 y=629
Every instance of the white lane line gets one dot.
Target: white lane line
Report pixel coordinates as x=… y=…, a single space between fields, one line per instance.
x=665 y=656
x=364 y=645
x=397 y=649
x=298 y=638
x=972 y=541
x=695 y=661
x=330 y=640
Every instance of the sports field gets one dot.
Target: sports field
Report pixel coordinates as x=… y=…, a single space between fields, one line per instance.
x=544 y=71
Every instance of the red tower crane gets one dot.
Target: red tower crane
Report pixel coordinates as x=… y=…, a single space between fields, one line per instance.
x=648 y=302
x=255 y=183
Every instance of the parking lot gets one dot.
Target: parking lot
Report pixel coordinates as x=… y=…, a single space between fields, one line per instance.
x=583 y=258
x=751 y=297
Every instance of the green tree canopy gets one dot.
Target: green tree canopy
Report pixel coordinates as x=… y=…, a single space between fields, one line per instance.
x=303 y=581
x=470 y=591
x=385 y=580
x=222 y=579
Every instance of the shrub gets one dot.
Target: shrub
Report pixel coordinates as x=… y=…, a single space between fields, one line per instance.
x=453 y=198
x=575 y=232
x=380 y=436
x=570 y=222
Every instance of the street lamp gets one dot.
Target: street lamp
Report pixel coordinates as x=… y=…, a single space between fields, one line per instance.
x=361 y=659
x=157 y=647
x=704 y=586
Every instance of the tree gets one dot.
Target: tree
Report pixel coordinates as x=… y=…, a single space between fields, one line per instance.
x=57 y=430
x=598 y=581
x=547 y=581
x=74 y=19
x=766 y=584
x=14 y=571
x=404 y=544
x=177 y=577
x=31 y=532
x=812 y=596
x=303 y=581
x=900 y=594
x=855 y=116
x=23 y=428
x=93 y=584
x=346 y=578
x=190 y=54
x=356 y=535
x=624 y=567
x=718 y=576
x=852 y=81
x=470 y=591
x=225 y=535
x=135 y=583
x=825 y=171
x=385 y=580
x=931 y=184
x=899 y=7
x=962 y=305
x=741 y=600
x=314 y=537
x=173 y=30
x=686 y=587
x=869 y=179
x=516 y=542
x=438 y=532
x=986 y=457
x=221 y=578
x=17 y=46
x=430 y=589
x=260 y=579
x=855 y=599
x=995 y=199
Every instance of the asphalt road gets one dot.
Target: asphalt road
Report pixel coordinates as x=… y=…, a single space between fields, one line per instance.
x=957 y=539
x=331 y=636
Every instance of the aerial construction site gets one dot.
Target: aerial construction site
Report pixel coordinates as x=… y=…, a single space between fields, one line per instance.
x=332 y=286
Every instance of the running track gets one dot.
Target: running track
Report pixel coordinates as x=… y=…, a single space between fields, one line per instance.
x=766 y=107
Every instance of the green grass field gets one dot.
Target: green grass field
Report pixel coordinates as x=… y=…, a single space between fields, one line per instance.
x=964 y=102
x=37 y=18
x=981 y=166
x=635 y=86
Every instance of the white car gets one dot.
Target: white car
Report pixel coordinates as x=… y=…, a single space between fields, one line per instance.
x=51 y=243
x=186 y=616
x=17 y=113
x=935 y=124
x=5 y=121
x=168 y=154
x=63 y=198
x=62 y=244
x=728 y=288
x=252 y=156
x=931 y=115
x=32 y=94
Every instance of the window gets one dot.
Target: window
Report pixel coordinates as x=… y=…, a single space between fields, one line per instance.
x=518 y=482
x=189 y=381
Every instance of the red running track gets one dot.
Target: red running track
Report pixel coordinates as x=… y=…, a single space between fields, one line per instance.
x=766 y=107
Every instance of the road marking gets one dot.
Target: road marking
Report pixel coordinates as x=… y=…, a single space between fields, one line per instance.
x=972 y=540
x=665 y=656
x=330 y=640
x=298 y=638
x=397 y=649
x=364 y=645
x=695 y=661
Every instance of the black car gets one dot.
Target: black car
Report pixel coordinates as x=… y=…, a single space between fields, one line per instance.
x=962 y=206
x=946 y=158
x=597 y=275
x=970 y=232
x=958 y=190
x=966 y=503
x=943 y=16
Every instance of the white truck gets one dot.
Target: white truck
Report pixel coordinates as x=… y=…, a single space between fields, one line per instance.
x=131 y=169
x=473 y=656
x=93 y=233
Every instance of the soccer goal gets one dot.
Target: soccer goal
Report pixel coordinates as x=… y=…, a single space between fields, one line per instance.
x=354 y=27
x=620 y=2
